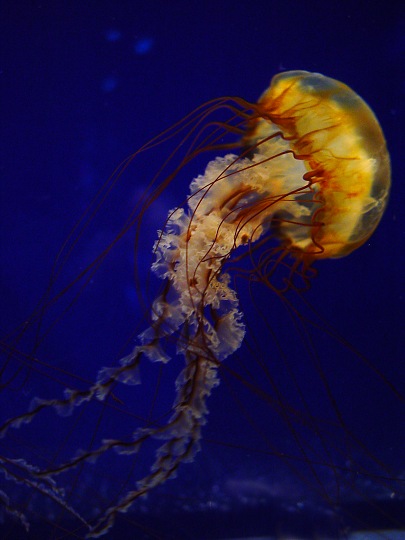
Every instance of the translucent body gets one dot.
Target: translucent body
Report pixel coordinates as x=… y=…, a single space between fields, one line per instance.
x=340 y=140
x=311 y=181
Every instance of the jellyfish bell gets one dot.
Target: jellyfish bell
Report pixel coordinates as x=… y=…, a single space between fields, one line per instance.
x=310 y=181
x=339 y=139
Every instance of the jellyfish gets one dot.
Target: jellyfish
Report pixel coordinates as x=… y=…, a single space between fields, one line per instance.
x=307 y=178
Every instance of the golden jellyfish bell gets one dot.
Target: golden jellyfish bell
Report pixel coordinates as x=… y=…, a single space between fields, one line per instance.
x=341 y=143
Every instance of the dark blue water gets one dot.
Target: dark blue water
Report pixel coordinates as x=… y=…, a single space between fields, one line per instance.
x=83 y=87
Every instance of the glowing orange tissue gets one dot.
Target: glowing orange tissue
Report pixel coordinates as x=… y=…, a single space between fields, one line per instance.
x=340 y=141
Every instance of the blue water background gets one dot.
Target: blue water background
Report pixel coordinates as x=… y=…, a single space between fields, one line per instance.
x=84 y=84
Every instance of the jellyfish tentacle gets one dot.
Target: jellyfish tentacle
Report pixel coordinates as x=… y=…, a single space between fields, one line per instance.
x=22 y=472
x=190 y=254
